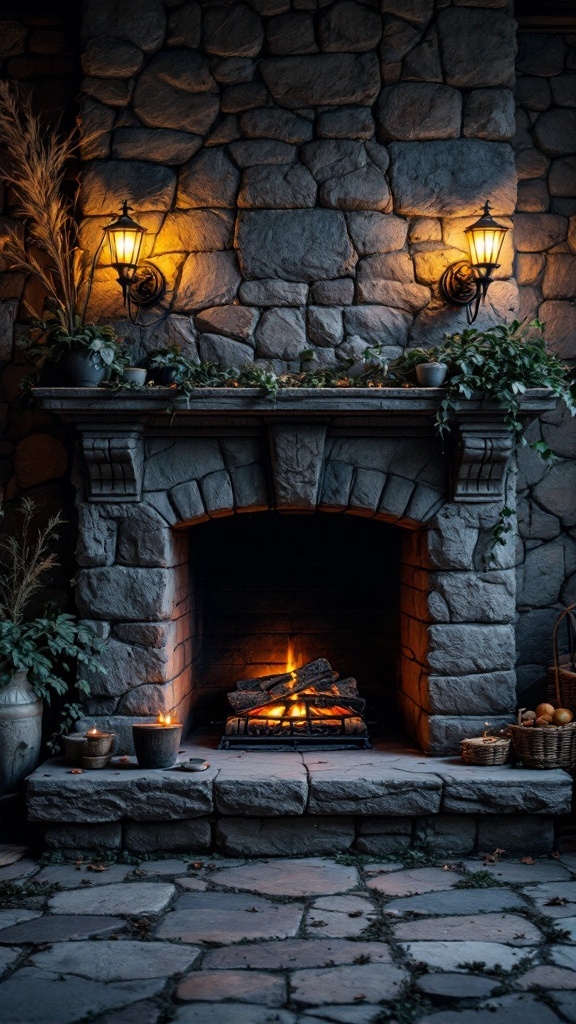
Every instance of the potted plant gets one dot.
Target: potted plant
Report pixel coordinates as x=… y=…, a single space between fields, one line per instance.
x=45 y=247
x=168 y=366
x=427 y=365
x=36 y=650
x=87 y=356
x=499 y=363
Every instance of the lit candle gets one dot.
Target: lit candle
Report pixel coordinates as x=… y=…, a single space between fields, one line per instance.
x=157 y=743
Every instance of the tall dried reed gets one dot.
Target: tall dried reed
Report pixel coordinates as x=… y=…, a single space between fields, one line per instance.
x=25 y=559
x=37 y=158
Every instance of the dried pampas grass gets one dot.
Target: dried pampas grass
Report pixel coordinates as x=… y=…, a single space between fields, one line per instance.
x=37 y=159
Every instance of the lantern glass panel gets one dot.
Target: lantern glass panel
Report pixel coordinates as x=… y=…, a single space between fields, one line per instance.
x=125 y=245
x=485 y=244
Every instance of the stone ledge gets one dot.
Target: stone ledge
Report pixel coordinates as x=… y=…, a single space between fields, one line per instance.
x=98 y=404
x=391 y=780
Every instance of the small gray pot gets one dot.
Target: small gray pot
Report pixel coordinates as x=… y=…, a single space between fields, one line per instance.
x=134 y=375
x=431 y=375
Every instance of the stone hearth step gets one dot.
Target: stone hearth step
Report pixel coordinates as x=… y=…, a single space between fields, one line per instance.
x=375 y=802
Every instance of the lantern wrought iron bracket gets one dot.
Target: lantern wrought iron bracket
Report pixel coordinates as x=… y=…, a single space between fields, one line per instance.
x=147 y=285
x=466 y=282
x=142 y=282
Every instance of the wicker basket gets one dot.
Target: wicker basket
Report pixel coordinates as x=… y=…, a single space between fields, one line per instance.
x=562 y=675
x=485 y=750
x=545 y=747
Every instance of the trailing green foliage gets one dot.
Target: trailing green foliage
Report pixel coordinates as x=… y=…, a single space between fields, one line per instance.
x=46 y=645
x=45 y=648
x=499 y=363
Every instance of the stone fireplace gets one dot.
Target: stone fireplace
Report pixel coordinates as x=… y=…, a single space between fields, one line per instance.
x=154 y=481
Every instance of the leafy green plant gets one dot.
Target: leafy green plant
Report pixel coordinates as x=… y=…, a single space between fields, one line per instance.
x=50 y=339
x=172 y=359
x=44 y=646
x=70 y=714
x=499 y=363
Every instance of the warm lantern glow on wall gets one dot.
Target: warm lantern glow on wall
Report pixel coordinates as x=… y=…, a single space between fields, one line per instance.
x=463 y=283
x=144 y=284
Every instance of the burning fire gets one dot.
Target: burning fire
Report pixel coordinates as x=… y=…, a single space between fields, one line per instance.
x=298 y=709
x=293 y=657
x=164 y=719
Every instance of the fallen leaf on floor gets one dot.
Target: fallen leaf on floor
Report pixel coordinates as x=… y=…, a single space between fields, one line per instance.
x=96 y=867
x=359 y=998
x=555 y=854
x=527 y=860
x=317 y=924
x=76 y=771
x=251 y=910
x=557 y=901
x=355 y=913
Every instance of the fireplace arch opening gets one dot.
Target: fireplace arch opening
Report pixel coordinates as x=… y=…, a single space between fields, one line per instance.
x=271 y=592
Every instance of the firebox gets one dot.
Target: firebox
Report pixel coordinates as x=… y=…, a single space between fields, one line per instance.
x=288 y=611
x=307 y=707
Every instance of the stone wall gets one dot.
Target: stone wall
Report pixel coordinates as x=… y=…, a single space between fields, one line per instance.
x=305 y=169
x=395 y=133
x=39 y=52
x=545 y=267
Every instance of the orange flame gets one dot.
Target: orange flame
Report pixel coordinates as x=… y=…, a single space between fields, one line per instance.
x=93 y=731
x=293 y=655
x=164 y=719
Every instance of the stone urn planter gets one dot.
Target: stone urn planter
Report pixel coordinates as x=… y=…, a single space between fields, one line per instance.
x=82 y=368
x=431 y=375
x=20 y=731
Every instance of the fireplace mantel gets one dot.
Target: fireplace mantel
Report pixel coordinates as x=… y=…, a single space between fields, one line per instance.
x=113 y=424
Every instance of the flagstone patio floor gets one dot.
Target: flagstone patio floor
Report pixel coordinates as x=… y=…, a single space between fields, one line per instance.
x=349 y=940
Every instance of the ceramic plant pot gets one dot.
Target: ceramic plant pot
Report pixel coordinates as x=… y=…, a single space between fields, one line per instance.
x=164 y=376
x=431 y=375
x=82 y=368
x=20 y=731
x=134 y=375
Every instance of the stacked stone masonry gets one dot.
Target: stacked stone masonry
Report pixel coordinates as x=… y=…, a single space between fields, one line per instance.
x=545 y=268
x=369 y=455
x=377 y=803
x=306 y=172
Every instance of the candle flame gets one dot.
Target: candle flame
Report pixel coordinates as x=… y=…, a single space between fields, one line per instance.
x=164 y=719
x=93 y=731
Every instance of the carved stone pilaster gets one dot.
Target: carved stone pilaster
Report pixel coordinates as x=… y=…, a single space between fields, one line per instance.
x=481 y=457
x=297 y=456
x=114 y=460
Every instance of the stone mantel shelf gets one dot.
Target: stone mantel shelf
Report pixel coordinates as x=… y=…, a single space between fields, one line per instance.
x=113 y=426
x=92 y=404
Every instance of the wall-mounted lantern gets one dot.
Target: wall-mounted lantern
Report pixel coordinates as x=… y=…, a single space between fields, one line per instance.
x=464 y=283
x=141 y=284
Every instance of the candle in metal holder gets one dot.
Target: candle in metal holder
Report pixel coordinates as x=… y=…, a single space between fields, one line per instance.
x=98 y=743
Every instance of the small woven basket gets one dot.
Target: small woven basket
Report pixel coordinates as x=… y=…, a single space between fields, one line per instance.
x=562 y=675
x=485 y=750
x=545 y=747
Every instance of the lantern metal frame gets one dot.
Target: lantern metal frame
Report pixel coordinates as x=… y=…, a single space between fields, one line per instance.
x=142 y=283
x=465 y=282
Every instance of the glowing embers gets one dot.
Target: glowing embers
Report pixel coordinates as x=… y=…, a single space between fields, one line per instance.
x=309 y=704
